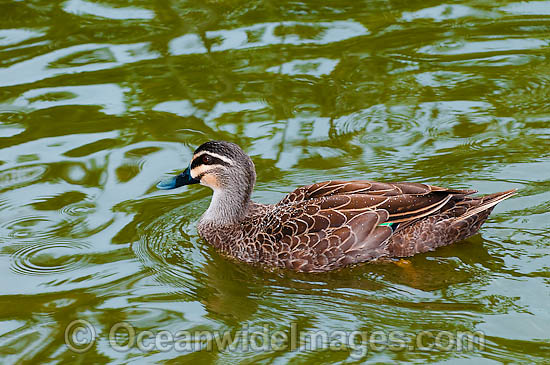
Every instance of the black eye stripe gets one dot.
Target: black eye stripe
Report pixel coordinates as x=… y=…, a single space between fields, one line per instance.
x=199 y=161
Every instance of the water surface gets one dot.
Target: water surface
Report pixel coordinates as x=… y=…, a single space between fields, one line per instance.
x=100 y=100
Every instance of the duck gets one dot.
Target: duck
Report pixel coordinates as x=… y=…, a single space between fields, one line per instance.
x=327 y=225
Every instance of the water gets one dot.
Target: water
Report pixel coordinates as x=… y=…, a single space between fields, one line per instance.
x=101 y=100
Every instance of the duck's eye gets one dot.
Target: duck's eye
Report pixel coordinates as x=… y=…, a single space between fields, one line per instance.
x=206 y=159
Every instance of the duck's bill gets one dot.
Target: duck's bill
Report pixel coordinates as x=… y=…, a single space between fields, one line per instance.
x=180 y=180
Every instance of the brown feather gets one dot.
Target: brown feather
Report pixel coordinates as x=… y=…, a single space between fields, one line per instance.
x=329 y=225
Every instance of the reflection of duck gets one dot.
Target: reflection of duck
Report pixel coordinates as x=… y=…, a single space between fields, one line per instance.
x=328 y=225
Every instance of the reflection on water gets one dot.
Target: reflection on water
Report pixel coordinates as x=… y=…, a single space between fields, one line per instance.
x=110 y=97
x=266 y=34
x=81 y=7
x=74 y=59
x=100 y=100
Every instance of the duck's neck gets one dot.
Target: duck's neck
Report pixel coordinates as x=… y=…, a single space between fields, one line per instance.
x=226 y=207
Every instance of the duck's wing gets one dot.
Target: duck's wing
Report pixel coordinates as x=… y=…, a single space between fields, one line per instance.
x=403 y=201
x=323 y=234
x=329 y=225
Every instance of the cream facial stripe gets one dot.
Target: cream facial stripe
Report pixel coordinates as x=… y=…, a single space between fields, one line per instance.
x=213 y=154
x=198 y=171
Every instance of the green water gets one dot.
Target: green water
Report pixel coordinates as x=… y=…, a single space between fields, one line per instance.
x=101 y=100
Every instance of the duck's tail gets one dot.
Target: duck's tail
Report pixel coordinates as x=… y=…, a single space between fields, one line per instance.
x=455 y=224
x=486 y=202
x=477 y=211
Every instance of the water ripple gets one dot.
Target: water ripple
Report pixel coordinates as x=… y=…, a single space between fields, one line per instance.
x=80 y=7
x=40 y=67
x=49 y=258
x=455 y=47
x=109 y=96
x=265 y=34
x=444 y=12
x=21 y=176
x=528 y=8
x=24 y=227
x=10 y=37
x=166 y=247
x=314 y=67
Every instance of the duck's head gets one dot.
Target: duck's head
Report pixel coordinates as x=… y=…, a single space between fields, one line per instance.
x=220 y=165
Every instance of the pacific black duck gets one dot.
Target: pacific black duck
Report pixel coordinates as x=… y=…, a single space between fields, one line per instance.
x=328 y=225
